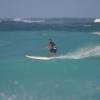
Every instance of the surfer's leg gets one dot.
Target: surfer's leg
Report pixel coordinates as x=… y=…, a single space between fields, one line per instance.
x=54 y=52
x=49 y=53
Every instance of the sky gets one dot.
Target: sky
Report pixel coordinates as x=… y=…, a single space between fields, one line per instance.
x=49 y=8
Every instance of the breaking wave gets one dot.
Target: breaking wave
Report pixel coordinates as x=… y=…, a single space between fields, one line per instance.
x=97 y=20
x=96 y=33
x=27 y=20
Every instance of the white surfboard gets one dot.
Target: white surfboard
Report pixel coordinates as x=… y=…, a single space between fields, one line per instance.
x=39 y=57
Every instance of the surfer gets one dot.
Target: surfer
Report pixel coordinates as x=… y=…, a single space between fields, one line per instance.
x=52 y=48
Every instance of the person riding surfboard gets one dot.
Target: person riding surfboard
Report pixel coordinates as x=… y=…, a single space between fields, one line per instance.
x=51 y=48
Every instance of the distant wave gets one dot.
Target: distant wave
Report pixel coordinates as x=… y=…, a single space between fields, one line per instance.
x=69 y=24
x=96 y=33
x=87 y=25
x=97 y=20
x=82 y=53
x=27 y=20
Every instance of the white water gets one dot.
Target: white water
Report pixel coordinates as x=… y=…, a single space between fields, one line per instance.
x=81 y=53
x=96 y=33
x=97 y=20
x=27 y=20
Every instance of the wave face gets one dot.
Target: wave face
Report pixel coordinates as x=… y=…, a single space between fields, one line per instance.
x=70 y=24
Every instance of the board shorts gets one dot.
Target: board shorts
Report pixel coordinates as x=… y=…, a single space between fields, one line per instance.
x=53 y=50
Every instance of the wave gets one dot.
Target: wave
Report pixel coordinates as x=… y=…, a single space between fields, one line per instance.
x=87 y=25
x=69 y=24
x=81 y=53
x=97 y=20
x=27 y=20
x=96 y=33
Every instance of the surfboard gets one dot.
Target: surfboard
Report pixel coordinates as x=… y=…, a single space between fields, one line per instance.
x=39 y=57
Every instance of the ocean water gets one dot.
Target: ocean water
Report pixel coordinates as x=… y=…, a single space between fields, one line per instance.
x=74 y=75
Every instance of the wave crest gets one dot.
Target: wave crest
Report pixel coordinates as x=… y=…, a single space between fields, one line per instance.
x=27 y=20
x=96 y=33
x=97 y=20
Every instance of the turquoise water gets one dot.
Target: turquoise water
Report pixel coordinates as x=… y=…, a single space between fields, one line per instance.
x=74 y=76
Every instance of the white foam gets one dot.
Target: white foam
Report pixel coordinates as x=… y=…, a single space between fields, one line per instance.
x=81 y=53
x=96 y=33
x=28 y=21
x=97 y=20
